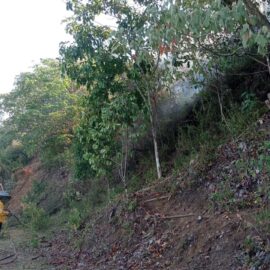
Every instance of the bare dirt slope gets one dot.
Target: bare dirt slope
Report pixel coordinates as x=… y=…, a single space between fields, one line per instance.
x=211 y=218
x=164 y=235
x=52 y=182
x=24 y=180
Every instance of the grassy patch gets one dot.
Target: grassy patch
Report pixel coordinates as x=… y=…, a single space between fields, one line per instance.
x=223 y=197
x=35 y=218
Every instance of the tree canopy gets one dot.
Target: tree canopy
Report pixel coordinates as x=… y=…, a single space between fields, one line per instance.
x=41 y=110
x=123 y=69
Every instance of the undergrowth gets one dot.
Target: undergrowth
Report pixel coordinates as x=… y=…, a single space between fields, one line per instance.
x=209 y=129
x=210 y=124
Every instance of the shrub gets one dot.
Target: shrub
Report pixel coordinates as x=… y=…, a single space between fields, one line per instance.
x=74 y=219
x=35 y=218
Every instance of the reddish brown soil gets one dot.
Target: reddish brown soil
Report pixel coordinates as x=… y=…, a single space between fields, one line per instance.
x=51 y=198
x=24 y=180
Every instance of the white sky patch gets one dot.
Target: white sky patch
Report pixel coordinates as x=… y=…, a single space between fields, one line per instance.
x=29 y=30
x=106 y=20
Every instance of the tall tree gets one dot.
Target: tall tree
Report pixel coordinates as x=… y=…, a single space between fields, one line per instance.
x=133 y=62
x=41 y=109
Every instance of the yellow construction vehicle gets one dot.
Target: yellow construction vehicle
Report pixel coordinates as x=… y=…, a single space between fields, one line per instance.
x=4 y=197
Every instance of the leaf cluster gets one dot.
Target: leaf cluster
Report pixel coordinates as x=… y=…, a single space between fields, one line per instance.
x=41 y=111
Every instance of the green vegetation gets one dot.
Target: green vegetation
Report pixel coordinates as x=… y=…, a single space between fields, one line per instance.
x=90 y=113
x=121 y=66
x=41 y=109
x=35 y=217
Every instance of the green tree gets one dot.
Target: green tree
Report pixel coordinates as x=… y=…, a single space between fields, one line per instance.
x=121 y=87
x=141 y=57
x=41 y=110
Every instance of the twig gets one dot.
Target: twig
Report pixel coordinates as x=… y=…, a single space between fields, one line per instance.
x=36 y=257
x=178 y=216
x=156 y=199
x=141 y=191
x=10 y=256
x=7 y=257
x=14 y=255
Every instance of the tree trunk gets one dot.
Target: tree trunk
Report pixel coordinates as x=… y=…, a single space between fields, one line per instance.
x=153 y=122
x=124 y=160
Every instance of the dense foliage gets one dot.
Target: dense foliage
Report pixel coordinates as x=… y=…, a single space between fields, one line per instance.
x=125 y=67
x=121 y=73
x=40 y=114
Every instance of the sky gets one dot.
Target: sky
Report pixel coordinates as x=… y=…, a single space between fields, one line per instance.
x=29 y=30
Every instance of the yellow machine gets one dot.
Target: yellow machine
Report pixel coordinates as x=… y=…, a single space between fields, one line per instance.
x=3 y=214
x=4 y=197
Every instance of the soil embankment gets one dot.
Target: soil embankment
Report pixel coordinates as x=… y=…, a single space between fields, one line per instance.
x=24 y=181
x=215 y=218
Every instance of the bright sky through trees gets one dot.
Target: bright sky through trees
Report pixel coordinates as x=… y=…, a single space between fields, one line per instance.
x=29 y=30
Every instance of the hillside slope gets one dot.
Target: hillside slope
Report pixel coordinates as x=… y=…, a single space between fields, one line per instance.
x=24 y=179
x=48 y=187
x=215 y=217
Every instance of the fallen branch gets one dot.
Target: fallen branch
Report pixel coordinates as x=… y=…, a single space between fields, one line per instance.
x=156 y=199
x=141 y=191
x=178 y=216
x=13 y=255
x=7 y=257
x=36 y=257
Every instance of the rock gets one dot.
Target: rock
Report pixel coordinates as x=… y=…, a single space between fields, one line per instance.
x=151 y=241
x=242 y=146
x=167 y=263
x=241 y=193
x=199 y=219
x=212 y=188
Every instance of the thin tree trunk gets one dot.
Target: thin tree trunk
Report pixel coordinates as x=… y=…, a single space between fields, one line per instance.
x=122 y=165
x=124 y=160
x=154 y=135
x=108 y=191
x=268 y=63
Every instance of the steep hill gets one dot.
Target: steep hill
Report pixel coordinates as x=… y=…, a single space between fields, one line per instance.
x=214 y=216
x=24 y=181
x=47 y=185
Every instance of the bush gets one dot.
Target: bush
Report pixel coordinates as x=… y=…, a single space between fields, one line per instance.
x=36 y=192
x=74 y=219
x=208 y=128
x=35 y=218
